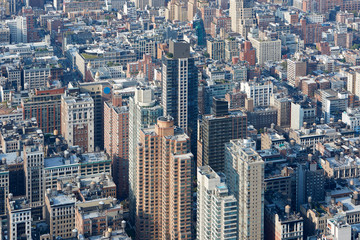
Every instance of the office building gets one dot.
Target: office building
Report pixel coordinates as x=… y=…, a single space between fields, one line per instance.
x=247 y=53
x=164 y=183
x=283 y=106
x=266 y=50
x=180 y=88
x=217 y=129
x=310 y=183
x=60 y=213
x=34 y=174
x=198 y=25
x=35 y=77
x=74 y=164
x=216 y=49
x=260 y=92
x=19 y=218
x=94 y=217
x=242 y=16
x=217 y=209
x=18 y=30
x=4 y=186
x=281 y=223
x=77 y=120
x=44 y=106
x=13 y=135
x=98 y=91
x=300 y=113
x=244 y=169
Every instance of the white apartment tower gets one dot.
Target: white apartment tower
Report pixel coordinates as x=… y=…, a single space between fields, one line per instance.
x=244 y=169
x=242 y=16
x=77 y=120
x=217 y=209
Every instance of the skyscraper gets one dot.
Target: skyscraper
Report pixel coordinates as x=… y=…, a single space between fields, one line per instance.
x=242 y=16
x=180 y=88
x=217 y=209
x=164 y=183
x=244 y=169
x=143 y=112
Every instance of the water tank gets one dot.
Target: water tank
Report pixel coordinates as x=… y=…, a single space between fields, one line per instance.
x=287 y=209
x=101 y=205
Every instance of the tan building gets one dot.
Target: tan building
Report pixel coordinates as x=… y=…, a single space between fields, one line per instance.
x=164 y=183
x=216 y=49
x=60 y=214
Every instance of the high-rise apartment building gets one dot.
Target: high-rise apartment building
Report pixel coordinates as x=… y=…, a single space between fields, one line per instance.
x=116 y=143
x=77 y=120
x=217 y=129
x=143 y=112
x=216 y=209
x=180 y=88
x=164 y=183
x=244 y=169
x=242 y=16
